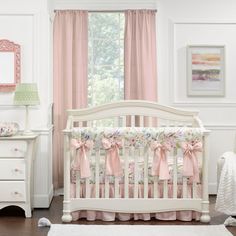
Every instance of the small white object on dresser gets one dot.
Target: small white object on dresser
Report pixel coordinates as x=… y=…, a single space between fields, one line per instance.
x=16 y=180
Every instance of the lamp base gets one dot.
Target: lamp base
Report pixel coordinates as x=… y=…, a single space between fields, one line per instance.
x=27 y=130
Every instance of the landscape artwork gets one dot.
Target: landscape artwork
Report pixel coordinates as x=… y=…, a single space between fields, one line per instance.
x=206 y=70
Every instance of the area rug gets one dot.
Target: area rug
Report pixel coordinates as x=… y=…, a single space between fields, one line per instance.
x=138 y=230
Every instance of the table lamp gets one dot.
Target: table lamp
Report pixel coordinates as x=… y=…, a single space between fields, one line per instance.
x=26 y=94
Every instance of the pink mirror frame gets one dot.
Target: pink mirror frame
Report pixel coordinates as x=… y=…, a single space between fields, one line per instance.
x=8 y=46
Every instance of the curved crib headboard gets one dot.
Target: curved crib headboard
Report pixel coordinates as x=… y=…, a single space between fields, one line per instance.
x=145 y=110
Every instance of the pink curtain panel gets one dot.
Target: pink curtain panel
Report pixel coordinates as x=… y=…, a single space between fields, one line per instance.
x=70 y=63
x=140 y=56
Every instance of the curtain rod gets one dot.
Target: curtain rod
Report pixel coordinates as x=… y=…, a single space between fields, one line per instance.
x=109 y=11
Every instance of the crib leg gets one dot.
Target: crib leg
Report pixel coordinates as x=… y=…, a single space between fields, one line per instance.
x=66 y=218
x=205 y=217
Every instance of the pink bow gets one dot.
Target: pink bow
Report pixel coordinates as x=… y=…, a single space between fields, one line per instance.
x=81 y=162
x=159 y=165
x=190 y=162
x=113 y=165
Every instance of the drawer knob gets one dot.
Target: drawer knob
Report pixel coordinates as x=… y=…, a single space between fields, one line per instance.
x=16 y=170
x=16 y=192
x=16 y=149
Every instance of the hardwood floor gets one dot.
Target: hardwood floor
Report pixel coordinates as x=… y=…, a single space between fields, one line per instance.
x=13 y=222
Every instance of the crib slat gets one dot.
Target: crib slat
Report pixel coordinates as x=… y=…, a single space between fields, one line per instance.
x=155 y=186
x=160 y=122
x=132 y=121
x=150 y=121
x=87 y=188
x=89 y=123
x=97 y=171
x=194 y=190
x=126 y=181
x=154 y=121
x=176 y=123
x=165 y=188
x=141 y=121
x=146 y=157
x=135 y=157
x=185 y=181
x=77 y=184
x=116 y=121
x=87 y=181
x=184 y=186
x=117 y=194
x=165 y=123
x=107 y=183
x=175 y=173
x=124 y=121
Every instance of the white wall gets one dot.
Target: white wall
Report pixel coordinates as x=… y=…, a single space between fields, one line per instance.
x=188 y=22
x=179 y=23
x=27 y=23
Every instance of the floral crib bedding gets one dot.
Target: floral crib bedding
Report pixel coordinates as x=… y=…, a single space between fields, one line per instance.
x=111 y=142
x=158 y=142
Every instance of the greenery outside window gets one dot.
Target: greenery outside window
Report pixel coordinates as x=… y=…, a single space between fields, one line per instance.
x=106 y=58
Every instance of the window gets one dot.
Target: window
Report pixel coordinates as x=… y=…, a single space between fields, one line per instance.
x=106 y=58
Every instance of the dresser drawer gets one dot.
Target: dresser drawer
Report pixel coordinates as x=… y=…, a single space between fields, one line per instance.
x=13 y=148
x=12 y=169
x=12 y=191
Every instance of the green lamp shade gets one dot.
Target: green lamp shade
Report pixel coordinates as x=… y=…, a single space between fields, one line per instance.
x=26 y=94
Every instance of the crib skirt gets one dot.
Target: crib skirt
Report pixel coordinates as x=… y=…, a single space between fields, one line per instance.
x=111 y=216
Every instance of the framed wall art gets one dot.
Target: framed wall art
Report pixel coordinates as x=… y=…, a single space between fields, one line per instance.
x=205 y=70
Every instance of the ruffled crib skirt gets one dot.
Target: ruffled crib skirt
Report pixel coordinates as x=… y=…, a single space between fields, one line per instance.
x=111 y=216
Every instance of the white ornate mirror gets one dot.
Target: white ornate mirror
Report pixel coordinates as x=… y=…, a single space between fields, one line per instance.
x=9 y=65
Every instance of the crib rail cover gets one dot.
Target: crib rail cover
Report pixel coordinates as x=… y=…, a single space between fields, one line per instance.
x=138 y=136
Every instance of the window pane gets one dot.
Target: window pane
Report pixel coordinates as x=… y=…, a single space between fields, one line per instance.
x=104 y=90
x=106 y=58
x=106 y=72
x=102 y=25
x=122 y=25
x=105 y=52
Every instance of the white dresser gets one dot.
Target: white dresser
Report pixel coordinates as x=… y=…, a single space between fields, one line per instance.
x=16 y=168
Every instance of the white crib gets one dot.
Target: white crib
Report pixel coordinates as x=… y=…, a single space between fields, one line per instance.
x=124 y=113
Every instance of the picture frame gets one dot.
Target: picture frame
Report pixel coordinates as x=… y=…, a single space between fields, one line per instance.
x=10 y=64
x=206 y=70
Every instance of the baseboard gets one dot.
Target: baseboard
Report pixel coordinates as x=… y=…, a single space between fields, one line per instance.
x=59 y=192
x=212 y=188
x=43 y=200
